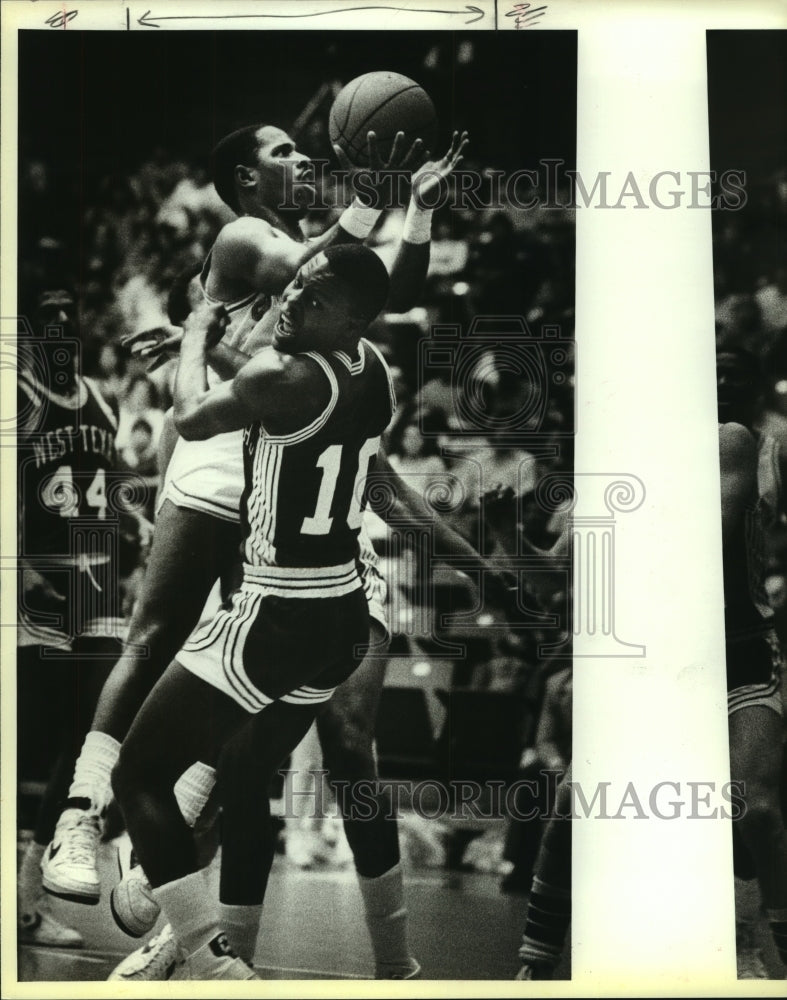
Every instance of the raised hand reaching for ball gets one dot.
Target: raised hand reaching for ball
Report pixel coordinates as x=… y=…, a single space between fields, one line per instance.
x=429 y=177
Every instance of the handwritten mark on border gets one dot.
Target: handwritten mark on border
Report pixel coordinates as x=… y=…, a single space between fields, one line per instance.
x=526 y=14
x=149 y=20
x=61 y=18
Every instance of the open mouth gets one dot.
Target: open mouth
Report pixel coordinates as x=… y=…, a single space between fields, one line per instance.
x=284 y=328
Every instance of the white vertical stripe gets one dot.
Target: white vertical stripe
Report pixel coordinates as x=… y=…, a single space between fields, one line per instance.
x=387 y=370
x=234 y=641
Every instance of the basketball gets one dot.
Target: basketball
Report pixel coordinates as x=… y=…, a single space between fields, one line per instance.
x=384 y=103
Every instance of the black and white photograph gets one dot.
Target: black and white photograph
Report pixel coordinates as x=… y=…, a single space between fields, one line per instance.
x=748 y=128
x=457 y=330
x=295 y=338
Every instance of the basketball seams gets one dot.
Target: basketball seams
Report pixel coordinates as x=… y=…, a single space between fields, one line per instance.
x=353 y=95
x=340 y=128
x=371 y=103
x=379 y=107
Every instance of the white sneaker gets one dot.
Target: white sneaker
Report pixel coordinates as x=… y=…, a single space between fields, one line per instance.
x=132 y=903
x=750 y=964
x=155 y=961
x=42 y=929
x=69 y=863
x=214 y=960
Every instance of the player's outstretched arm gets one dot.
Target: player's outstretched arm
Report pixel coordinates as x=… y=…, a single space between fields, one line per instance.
x=163 y=343
x=199 y=411
x=410 y=507
x=410 y=266
x=284 y=392
x=738 y=471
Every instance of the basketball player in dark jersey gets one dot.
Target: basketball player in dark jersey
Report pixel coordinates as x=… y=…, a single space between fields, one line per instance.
x=314 y=406
x=69 y=609
x=750 y=491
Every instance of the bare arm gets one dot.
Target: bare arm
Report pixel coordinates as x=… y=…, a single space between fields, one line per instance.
x=738 y=470
x=409 y=506
x=410 y=266
x=284 y=392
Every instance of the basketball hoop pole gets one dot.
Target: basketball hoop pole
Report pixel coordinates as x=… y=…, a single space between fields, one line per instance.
x=325 y=90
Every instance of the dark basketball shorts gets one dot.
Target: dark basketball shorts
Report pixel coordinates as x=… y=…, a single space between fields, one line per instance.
x=90 y=606
x=289 y=635
x=754 y=671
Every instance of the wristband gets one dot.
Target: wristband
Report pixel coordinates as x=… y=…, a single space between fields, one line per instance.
x=417 y=224
x=359 y=220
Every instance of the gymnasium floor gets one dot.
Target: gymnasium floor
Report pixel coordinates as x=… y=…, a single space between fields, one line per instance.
x=462 y=927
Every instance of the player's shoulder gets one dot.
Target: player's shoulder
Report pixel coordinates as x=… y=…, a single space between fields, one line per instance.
x=286 y=369
x=738 y=449
x=737 y=440
x=244 y=231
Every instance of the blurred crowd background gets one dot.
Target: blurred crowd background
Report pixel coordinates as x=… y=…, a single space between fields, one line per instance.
x=748 y=133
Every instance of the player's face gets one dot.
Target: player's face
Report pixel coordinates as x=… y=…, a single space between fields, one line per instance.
x=57 y=308
x=316 y=313
x=286 y=176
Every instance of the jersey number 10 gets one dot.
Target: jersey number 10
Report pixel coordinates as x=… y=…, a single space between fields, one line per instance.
x=330 y=461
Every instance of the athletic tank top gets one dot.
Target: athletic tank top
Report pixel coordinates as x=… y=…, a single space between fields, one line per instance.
x=251 y=319
x=65 y=448
x=305 y=492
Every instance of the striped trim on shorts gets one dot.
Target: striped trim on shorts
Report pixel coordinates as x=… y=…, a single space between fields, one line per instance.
x=767 y=694
x=215 y=651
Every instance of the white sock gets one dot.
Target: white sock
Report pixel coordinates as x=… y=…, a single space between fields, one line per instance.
x=93 y=771
x=386 y=917
x=242 y=926
x=29 y=887
x=189 y=909
x=193 y=789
